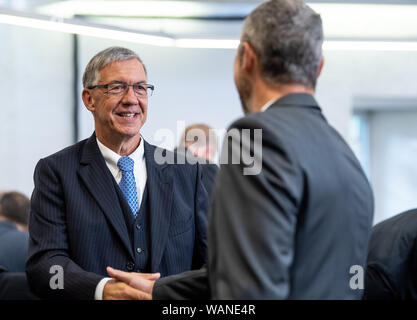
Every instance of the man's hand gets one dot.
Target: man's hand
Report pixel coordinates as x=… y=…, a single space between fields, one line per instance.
x=117 y=290
x=140 y=281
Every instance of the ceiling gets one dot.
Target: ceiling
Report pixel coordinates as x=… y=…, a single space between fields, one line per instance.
x=35 y=3
x=383 y=20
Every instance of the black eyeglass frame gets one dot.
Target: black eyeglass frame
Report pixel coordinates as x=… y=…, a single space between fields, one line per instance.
x=106 y=86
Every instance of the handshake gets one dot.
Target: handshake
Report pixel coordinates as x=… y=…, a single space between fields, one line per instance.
x=129 y=285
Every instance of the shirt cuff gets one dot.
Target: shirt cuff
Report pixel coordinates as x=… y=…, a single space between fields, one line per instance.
x=98 y=295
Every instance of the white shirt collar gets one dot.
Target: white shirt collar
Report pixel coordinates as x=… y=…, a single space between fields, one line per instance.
x=138 y=156
x=267 y=105
x=112 y=157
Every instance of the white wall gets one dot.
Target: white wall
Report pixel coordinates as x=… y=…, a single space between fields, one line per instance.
x=379 y=76
x=36 y=108
x=350 y=75
x=393 y=158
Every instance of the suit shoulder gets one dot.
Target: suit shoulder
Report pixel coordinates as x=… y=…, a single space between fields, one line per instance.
x=269 y=123
x=16 y=237
x=248 y=121
x=156 y=149
x=173 y=159
x=401 y=225
x=160 y=156
x=272 y=130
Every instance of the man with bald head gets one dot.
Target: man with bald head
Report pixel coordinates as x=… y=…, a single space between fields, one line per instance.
x=108 y=200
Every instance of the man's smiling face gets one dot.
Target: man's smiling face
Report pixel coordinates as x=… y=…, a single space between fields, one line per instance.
x=122 y=115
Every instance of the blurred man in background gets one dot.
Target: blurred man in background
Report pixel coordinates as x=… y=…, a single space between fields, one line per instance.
x=200 y=141
x=14 y=216
x=295 y=229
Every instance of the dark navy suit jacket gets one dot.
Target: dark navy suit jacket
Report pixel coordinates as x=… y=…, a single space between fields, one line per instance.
x=77 y=220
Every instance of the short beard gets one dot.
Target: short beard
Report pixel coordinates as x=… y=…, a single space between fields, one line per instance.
x=245 y=92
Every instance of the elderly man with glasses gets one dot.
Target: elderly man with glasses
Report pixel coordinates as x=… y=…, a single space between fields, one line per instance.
x=107 y=201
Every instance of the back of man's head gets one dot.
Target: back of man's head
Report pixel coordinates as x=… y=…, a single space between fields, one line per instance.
x=15 y=207
x=287 y=36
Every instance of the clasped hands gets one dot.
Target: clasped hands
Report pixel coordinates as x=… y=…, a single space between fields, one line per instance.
x=129 y=285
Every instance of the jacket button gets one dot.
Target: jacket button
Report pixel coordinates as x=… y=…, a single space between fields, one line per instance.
x=130 y=266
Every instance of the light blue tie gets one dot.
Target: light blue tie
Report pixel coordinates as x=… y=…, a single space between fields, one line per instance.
x=128 y=184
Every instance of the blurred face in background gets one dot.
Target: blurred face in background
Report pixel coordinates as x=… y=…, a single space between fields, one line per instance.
x=119 y=116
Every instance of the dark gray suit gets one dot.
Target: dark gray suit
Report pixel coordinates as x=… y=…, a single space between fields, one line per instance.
x=294 y=230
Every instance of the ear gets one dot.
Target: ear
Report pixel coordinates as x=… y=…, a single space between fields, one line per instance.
x=320 y=67
x=249 y=58
x=88 y=100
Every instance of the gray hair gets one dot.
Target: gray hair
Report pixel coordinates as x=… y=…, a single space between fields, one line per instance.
x=102 y=59
x=287 y=36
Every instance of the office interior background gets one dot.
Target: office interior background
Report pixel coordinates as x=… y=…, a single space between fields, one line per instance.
x=367 y=90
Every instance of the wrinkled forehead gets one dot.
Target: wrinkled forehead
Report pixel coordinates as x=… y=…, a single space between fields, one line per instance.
x=130 y=71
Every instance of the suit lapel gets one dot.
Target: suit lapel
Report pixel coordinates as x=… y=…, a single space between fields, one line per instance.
x=99 y=182
x=160 y=197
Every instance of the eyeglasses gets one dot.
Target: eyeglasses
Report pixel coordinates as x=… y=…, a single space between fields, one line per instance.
x=118 y=88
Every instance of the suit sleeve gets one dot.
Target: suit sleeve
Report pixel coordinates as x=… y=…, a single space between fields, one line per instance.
x=190 y=285
x=378 y=285
x=48 y=243
x=201 y=221
x=253 y=216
